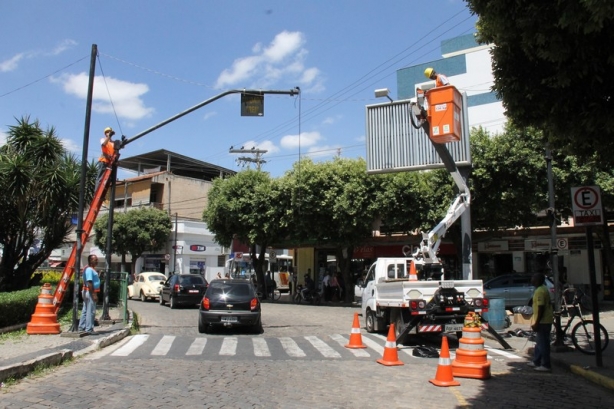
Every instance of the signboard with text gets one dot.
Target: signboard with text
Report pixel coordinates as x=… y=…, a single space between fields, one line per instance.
x=586 y=205
x=252 y=104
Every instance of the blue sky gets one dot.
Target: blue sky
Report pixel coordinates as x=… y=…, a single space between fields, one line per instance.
x=159 y=58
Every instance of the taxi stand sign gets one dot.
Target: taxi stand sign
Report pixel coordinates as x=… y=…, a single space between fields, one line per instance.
x=586 y=206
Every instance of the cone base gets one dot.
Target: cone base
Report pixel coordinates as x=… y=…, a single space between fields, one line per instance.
x=389 y=363
x=35 y=329
x=468 y=370
x=437 y=382
x=355 y=346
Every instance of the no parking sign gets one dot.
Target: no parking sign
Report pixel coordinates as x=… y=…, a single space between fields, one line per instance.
x=586 y=205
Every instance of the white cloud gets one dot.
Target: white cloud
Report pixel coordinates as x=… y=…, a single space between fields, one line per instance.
x=282 y=60
x=63 y=46
x=306 y=139
x=12 y=63
x=3 y=137
x=267 y=145
x=71 y=146
x=209 y=115
x=331 y=120
x=110 y=94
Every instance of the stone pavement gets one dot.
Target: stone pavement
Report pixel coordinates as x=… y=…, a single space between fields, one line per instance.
x=22 y=355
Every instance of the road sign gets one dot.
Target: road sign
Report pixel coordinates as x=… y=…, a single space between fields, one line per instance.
x=272 y=256
x=586 y=205
x=561 y=244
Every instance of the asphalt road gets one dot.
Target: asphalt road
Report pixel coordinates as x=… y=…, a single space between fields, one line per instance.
x=299 y=361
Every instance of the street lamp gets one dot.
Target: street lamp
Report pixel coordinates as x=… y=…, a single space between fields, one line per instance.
x=383 y=92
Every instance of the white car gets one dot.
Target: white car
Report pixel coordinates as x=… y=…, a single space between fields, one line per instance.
x=146 y=286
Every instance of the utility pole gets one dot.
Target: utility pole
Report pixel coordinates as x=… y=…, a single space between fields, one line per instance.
x=257 y=159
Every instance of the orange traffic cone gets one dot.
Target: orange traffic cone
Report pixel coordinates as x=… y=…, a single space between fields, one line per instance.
x=391 y=356
x=413 y=276
x=355 y=336
x=44 y=319
x=444 y=377
x=471 y=358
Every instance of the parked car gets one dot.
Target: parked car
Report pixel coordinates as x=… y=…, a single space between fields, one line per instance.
x=516 y=289
x=146 y=286
x=230 y=303
x=183 y=289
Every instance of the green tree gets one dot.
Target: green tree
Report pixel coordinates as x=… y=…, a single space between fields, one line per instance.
x=332 y=203
x=552 y=70
x=246 y=207
x=40 y=191
x=134 y=232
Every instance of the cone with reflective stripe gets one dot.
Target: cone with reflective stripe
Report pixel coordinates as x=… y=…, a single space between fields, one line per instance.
x=444 y=377
x=355 y=336
x=391 y=357
x=471 y=357
x=413 y=275
x=44 y=319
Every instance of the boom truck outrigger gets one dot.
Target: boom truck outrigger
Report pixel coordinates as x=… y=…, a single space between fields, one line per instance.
x=46 y=323
x=413 y=292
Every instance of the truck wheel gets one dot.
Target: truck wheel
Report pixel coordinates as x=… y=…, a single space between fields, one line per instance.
x=370 y=321
x=399 y=324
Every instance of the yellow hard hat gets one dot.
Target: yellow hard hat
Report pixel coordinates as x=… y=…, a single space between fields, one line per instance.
x=109 y=129
x=428 y=72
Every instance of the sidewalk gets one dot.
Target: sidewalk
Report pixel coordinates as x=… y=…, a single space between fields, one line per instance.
x=21 y=355
x=567 y=358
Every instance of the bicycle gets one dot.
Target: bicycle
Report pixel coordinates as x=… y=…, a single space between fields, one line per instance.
x=583 y=333
x=274 y=294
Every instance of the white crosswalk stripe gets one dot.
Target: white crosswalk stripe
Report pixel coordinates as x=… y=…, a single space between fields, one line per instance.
x=291 y=347
x=164 y=345
x=323 y=347
x=132 y=345
x=260 y=347
x=229 y=346
x=197 y=347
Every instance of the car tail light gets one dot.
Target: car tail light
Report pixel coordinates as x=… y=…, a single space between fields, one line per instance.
x=176 y=288
x=206 y=304
x=254 y=304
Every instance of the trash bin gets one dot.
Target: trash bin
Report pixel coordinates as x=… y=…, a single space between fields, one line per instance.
x=496 y=313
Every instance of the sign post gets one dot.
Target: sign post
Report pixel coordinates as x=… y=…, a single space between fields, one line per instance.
x=587 y=211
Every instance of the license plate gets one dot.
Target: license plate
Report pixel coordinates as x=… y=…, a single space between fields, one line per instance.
x=193 y=291
x=454 y=327
x=229 y=319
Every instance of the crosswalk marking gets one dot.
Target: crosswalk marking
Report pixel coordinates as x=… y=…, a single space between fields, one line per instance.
x=260 y=347
x=197 y=347
x=323 y=347
x=359 y=352
x=164 y=345
x=133 y=344
x=291 y=347
x=229 y=346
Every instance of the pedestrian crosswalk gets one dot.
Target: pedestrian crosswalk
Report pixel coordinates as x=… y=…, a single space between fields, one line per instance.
x=283 y=347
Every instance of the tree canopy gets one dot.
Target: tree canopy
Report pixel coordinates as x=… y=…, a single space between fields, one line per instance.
x=552 y=67
x=39 y=181
x=134 y=232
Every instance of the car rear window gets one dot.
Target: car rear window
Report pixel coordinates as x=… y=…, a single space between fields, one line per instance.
x=189 y=280
x=157 y=278
x=237 y=289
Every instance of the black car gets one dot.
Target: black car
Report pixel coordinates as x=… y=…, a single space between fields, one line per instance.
x=230 y=303
x=183 y=289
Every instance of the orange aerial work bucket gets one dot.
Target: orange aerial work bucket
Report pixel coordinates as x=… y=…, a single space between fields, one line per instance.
x=444 y=114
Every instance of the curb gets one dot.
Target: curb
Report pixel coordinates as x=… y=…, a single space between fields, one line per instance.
x=23 y=368
x=104 y=342
x=593 y=376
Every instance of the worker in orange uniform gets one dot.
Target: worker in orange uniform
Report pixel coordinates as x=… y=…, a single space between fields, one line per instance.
x=108 y=151
x=440 y=79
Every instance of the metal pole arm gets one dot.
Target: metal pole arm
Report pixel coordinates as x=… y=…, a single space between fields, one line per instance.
x=126 y=141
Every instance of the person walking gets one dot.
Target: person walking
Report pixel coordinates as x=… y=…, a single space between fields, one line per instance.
x=326 y=287
x=440 y=79
x=91 y=288
x=541 y=323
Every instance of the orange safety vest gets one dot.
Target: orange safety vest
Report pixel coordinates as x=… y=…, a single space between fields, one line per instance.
x=108 y=150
